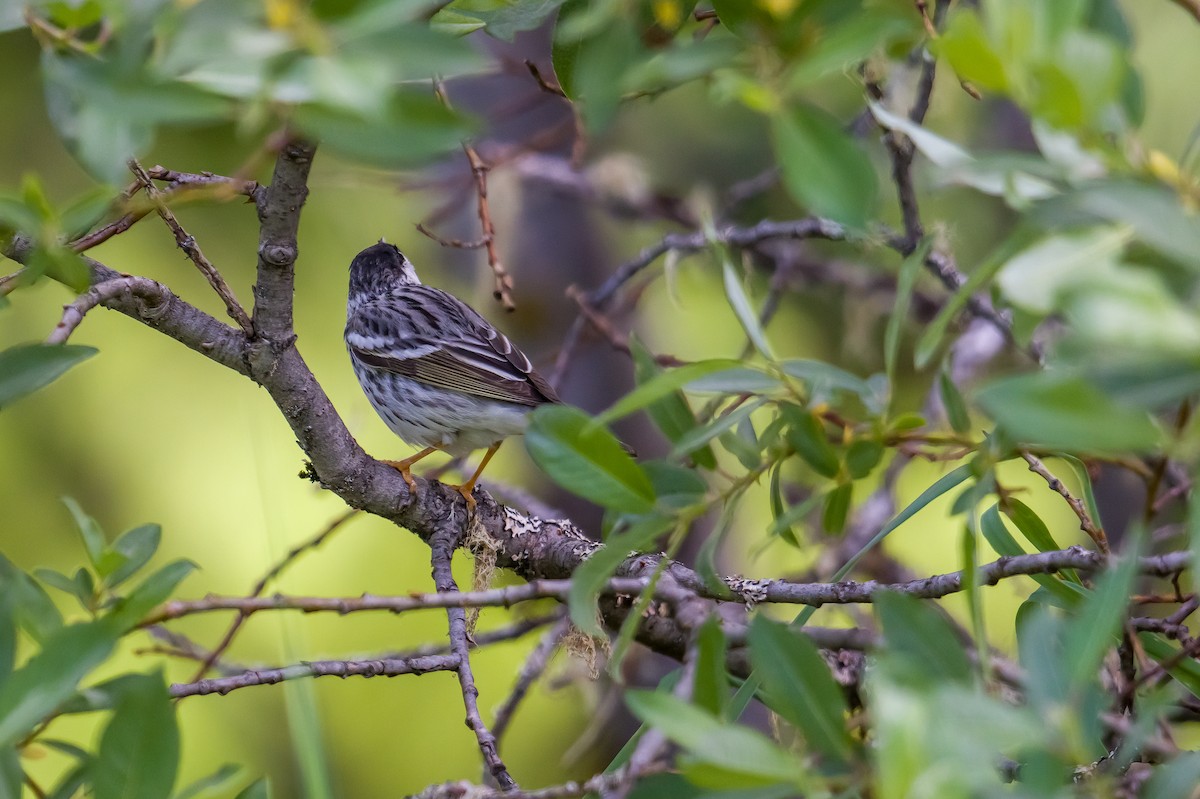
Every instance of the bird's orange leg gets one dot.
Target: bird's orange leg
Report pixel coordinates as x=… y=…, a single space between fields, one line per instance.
x=405 y=466
x=466 y=488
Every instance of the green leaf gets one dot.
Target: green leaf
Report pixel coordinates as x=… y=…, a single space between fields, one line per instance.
x=742 y=309
x=862 y=456
x=954 y=404
x=935 y=331
x=922 y=639
x=502 y=19
x=1063 y=411
x=1037 y=277
x=807 y=436
x=8 y=636
x=823 y=168
x=86 y=210
x=966 y=46
x=824 y=380
x=93 y=537
x=413 y=129
x=587 y=460
x=597 y=66
x=1153 y=211
x=139 y=750
x=675 y=486
x=736 y=750
x=710 y=686
x=837 y=508
x=662 y=385
x=906 y=281
x=32 y=608
x=151 y=593
x=1183 y=668
x=799 y=686
x=25 y=368
x=49 y=678
x=11 y=773
x=1175 y=780
x=850 y=41
x=671 y=413
x=593 y=573
x=134 y=548
x=702 y=435
x=1095 y=630
x=998 y=537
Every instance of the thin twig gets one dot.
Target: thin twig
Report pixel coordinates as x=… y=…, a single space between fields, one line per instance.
x=73 y=313
x=442 y=546
x=504 y=283
x=1093 y=530
x=273 y=573
x=317 y=668
x=187 y=243
x=604 y=326
x=474 y=244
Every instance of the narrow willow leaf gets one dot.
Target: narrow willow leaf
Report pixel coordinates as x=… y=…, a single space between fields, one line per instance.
x=27 y=367
x=906 y=281
x=593 y=573
x=744 y=311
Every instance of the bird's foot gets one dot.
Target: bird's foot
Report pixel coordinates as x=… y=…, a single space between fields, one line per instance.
x=467 y=490
x=405 y=467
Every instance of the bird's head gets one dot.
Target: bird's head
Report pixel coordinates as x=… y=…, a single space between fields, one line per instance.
x=380 y=268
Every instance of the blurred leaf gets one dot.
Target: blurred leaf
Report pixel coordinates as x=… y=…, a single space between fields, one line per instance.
x=825 y=379
x=107 y=110
x=24 y=368
x=823 y=168
x=11 y=773
x=942 y=152
x=954 y=404
x=999 y=539
x=782 y=525
x=744 y=312
x=8 y=635
x=661 y=385
x=413 y=129
x=807 y=435
x=702 y=435
x=738 y=751
x=682 y=61
x=86 y=210
x=851 y=41
x=80 y=586
x=1147 y=382
x=799 y=686
x=935 y=331
x=587 y=460
x=1153 y=211
x=593 y=573
x=1062 y=411
x=1184 y=669
x=923 y=638
x=736 y=380
x=862 y=456
x=100 y=696
x=1036 y=277
x=906 y=281
x=134 y=549
x=150 y=593
x=206 y=786
x=671 y=413
x=710 y=686
x=837 y=508
x=1095 y=629
x=32 y=608
x=49 y=678
x=94 y=542
x=501 y=18
x=965 y=44
x=675 y=486
x=1042 y=654
x=139 y=750
x=591 y=69
x=70 y=785
x=1175 y=780
x=742 y=442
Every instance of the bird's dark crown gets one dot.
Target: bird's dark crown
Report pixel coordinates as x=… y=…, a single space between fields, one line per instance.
x=380 y=268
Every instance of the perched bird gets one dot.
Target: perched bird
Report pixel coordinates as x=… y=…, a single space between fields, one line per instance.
x=436 y=371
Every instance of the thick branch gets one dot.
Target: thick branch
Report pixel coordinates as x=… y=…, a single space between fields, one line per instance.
x=279 y=216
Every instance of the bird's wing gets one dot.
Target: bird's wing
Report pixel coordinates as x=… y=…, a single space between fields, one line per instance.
x=432 y=337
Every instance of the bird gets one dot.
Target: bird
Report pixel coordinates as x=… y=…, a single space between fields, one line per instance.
x=439 y=375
